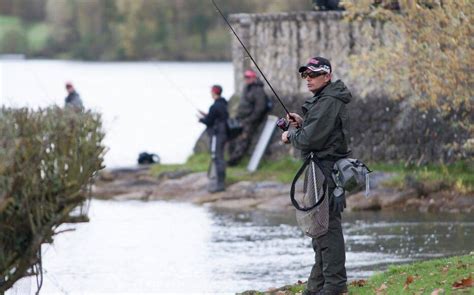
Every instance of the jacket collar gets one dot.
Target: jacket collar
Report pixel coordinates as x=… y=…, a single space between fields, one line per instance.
x=310 y=101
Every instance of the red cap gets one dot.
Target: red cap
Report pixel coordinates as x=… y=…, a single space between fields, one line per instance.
x=250 y=74
x=216 y=89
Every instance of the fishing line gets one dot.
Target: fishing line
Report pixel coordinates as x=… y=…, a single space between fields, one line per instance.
x=186 y=98
x=253 y=60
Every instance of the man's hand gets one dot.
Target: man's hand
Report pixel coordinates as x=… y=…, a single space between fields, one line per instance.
x=284 y=137
x=295 y=120
x=338 y=200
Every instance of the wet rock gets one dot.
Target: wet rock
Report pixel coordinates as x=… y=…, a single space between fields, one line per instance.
x=138 y=195
x=106 y=175
x=173 y=174
x=279 y=203
x=138 y=184
x=358 y=202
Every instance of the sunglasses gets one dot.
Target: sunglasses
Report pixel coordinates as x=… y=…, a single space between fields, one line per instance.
x=312 y=75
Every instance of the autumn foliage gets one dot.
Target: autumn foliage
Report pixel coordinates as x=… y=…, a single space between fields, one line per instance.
x=427 y=55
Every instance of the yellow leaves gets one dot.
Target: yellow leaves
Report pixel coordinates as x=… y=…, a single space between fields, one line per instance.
x=432 y=59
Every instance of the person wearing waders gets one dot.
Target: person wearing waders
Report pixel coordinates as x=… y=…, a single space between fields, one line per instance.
x=251 y=112
x=323 y=131
x=215 y=121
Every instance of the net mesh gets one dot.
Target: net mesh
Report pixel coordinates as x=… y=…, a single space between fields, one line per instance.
x=314 y=222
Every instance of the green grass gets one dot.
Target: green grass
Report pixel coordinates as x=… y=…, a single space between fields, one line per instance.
x=458 y=176
x=425 y=277
x=8 y=23
x=38 y=35
x=416 y=278
x=195 y=163
x=282 y=170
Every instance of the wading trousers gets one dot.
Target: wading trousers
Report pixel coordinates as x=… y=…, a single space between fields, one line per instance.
x=239 y=146
x=328 y=275
x=217 y=155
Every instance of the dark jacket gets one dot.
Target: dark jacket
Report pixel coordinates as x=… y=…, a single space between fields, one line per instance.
x=253 y=103
x=216 y=117
x=325 y=129
x=73 y=100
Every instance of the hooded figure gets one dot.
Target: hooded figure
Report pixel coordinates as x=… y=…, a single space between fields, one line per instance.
x=73 y=100
x=215 y=121
x=252 y=110
x=324 y=131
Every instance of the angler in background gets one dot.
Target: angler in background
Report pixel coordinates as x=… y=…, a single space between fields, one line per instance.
x=324 y=131
x=73 y=100
x=215 y=121
x=254 y=105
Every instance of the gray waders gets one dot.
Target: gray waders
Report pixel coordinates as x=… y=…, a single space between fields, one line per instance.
x=216 y=171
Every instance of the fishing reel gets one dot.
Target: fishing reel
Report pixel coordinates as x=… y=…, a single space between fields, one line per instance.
x=283 y=124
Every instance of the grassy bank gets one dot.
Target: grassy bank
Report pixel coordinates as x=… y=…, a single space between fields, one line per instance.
x=282 y=170
x=458 y=176
x=440 y=276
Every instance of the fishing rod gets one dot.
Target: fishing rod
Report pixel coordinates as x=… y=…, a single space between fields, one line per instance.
x=186 y=98
x=253 y=60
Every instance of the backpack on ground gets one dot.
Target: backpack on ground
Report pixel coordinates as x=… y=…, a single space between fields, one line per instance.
x=146 y=158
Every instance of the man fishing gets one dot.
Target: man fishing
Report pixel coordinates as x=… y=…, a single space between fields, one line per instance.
x=72 y=100
x=215 y=121
x=323 y=131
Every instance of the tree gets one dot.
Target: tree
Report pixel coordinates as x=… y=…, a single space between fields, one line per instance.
x=428 y=56
x=61 y=17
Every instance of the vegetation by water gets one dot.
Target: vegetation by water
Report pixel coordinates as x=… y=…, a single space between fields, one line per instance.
x=458 y=176
x=47 y=160
x=438 y=276
x=282 y=170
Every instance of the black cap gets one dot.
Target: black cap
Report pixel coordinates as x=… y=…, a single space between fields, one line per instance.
x=317 y=64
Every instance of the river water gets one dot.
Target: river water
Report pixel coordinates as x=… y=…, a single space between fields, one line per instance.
x=165 y=247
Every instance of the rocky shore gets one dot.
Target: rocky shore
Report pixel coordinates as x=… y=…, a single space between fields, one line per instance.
x=184 y=186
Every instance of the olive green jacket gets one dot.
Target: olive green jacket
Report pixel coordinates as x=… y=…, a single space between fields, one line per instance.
x=325 y=129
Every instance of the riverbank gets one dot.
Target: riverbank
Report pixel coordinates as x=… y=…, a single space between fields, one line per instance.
x=438 y=276
x=268 y=188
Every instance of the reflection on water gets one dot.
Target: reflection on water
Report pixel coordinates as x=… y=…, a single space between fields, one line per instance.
x=171 y=247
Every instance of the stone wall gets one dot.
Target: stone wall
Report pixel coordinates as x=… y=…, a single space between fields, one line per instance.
x=382 y=128
x=281 y=42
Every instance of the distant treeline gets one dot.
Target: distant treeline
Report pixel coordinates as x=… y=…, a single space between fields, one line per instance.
x=124 y=29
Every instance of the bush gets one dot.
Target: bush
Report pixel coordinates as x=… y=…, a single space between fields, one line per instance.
x=47 y=160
